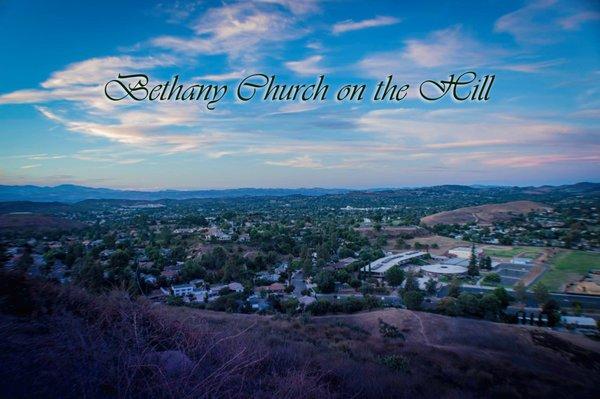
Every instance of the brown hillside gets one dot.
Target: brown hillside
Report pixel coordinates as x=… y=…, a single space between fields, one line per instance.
x=483 y=214
x=63 y=342
x=32 y=221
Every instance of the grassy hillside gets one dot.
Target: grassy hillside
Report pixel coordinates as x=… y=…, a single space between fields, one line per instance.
x=569 y=266
x=63 y=342
x=483 y=214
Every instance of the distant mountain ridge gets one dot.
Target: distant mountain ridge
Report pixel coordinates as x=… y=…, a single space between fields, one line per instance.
x=74 y=193
x=69 y=193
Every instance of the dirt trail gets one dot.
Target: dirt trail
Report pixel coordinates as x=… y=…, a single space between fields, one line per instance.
x=422 y=329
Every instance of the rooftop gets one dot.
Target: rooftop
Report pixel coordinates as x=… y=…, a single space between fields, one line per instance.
x=382 y=265
x=444 y=269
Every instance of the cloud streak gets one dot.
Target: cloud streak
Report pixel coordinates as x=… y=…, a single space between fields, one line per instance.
x=350 y=25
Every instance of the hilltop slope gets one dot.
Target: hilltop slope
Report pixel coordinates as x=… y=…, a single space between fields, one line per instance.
x=483 y=214
x=62 y=342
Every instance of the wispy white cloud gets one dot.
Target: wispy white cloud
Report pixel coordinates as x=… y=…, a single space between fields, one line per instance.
x=455 y=129
x=541 y=22
x=536 y=160
x=141 y=129
x=296 y=108
x=350 y=25
x=532 y=67
x=83 y=82
x=239 y=30
x=296 y=6
x=573 y=22
x=447 y=48
x=308 y=66
x=303 y=161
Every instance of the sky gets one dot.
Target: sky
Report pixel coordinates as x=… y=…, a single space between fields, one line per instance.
x=540 y=125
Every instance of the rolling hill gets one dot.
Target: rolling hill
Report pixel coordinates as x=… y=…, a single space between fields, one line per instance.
x=115 y=346
x=483 y=214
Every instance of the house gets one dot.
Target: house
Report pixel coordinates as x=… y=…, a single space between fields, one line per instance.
x=273 y=288
x=281 y=268
x=182 y=289
x=170 y=273
x=201 y=295
x=145 y=264
x=197 y=282
x=236 y=287
x=216 y=289
x=148 y=278
x=266 y=276
x=341 y=264
x=258 y=304
x=215 y=232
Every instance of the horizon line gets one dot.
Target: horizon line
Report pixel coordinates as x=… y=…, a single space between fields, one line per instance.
x=149 y=190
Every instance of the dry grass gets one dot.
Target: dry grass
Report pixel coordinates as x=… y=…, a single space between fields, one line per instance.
x=62 y=342
x=483 y=214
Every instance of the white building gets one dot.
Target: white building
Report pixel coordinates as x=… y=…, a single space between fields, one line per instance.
x=182 y=289
x=378 y=267
x=581 y=322
x=443 y=270
x=521 y=261
x=236 y=287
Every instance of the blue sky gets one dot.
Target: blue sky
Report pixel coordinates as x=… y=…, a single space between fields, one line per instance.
x=539 y=127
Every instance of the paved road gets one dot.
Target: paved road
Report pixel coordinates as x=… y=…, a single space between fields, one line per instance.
x=586 y=301
x=298 y=283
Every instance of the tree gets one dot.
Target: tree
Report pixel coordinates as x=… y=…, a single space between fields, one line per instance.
x=540 y=292
x=552 y=311
x=473 y=269
x=343 y=276
x=401 y=244
x=488 y=263
x=325 y=281
x=431 y=286
x=502 y=296
x=448 y=306
x=413 y=299
x=192 y=270
x=482 y=263
x=355 y=283
x=520 y=291
x=469 y=304
x=490 y=306
x=411 y=283
x=119 y=259
x=89 y=274
x=577 y=309
x=454 y=288
x=485 y=263
x=492 y=279
x=394 y=276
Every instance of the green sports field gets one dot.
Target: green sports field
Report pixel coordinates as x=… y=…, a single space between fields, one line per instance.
x=569 y=266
